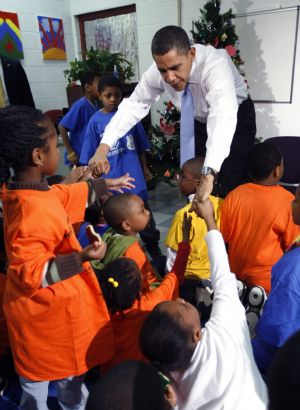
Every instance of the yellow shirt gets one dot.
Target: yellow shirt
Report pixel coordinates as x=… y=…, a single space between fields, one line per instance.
x=198 y=263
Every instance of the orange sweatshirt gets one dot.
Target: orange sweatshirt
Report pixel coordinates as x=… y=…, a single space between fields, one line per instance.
x=57 y=328
x=4 y=340
x=127 y=324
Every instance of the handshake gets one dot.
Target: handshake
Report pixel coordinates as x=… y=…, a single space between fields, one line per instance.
x=205 y=210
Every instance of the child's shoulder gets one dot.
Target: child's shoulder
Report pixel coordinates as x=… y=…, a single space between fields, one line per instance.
x=101 y=117
x=117 y=244
x=217 y=201
x=179 y=214
x=79 y=104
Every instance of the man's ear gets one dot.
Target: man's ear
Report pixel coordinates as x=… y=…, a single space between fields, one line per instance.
x=126 y=226
x=37 y=157
x=276 y=171
x=192 y=52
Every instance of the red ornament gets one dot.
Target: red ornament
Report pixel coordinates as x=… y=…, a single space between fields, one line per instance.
x=167 y=174
x=231 y=50
x=169 y=129
x=216 y=42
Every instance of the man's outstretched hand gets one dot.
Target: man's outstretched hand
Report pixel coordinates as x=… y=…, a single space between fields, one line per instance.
x=99 y=162
x=204 y=189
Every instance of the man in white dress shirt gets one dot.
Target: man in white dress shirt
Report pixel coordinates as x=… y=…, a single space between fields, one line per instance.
x=221 y=105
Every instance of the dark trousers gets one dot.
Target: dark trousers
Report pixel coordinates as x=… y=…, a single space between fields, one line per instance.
x=234 y=168
x=151 y=235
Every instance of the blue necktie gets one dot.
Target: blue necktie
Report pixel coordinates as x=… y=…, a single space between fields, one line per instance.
x=187 y=139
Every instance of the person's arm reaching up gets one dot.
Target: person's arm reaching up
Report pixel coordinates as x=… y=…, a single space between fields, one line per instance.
x=226 y=304
x=184 y=249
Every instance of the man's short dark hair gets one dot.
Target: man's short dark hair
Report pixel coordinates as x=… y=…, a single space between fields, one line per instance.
x=165 y=341
x=170 y=37
x=131 y=385
x=283 y=376
x=109 y=81
x=262 y=159
x=87 y=78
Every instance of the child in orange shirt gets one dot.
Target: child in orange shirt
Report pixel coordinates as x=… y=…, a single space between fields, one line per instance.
x=58 y=323
x=257 y=225
x=121 y=283
x=127 y=216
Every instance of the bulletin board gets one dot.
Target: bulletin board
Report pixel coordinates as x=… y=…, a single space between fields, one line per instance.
x=268 y=45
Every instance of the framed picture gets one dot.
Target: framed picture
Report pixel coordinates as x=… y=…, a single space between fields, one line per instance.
x=114 y=30
x=52 y=38
x=10 y=37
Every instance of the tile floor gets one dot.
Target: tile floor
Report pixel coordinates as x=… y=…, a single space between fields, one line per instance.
x=164 y=202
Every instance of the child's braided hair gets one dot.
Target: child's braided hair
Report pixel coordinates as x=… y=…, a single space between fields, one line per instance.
x=120 y=282
x=20 y=133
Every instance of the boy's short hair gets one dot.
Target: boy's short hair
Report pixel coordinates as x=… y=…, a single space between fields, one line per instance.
x=87 y=78
x=109 y=81
x=262 y=159
x=120 y=281
x=283 y=376
x=116 y=209
x=131 y=385
x=165 y=340
x=170 y=37
x=194 y=166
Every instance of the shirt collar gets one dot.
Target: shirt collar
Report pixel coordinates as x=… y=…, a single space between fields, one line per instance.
x=194 y=75
x=191 y=197
x=36 y=186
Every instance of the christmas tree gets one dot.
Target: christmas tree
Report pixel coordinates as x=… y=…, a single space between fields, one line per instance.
x=217 y=30
x=164 y=154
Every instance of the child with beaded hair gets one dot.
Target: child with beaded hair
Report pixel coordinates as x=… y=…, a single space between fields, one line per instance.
x=57 y=320
x=122 y=285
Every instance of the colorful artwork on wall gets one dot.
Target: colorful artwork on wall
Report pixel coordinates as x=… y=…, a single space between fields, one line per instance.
x=10 y=38
x=52 y=38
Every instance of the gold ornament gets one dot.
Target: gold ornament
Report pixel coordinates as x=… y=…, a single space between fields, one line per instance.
x=223 y=37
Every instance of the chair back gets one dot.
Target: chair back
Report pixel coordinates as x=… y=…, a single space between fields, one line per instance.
x=55 y=116
x=290 y=150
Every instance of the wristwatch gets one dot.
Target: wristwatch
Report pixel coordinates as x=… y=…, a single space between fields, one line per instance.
x=208 y=171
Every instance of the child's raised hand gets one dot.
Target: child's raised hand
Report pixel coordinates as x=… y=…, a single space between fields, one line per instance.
x=186 y=227
x=205 y=210
x=94 y=251
x=75 y=175
x=88 y=174
x=117 y=184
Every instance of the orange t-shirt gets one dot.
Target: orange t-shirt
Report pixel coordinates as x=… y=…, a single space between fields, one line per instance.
x=257 y=225
x=136 y=252
x=63 y=329
x=4 y=340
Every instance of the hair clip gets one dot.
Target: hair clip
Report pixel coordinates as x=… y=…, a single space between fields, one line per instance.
x=113 y=282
